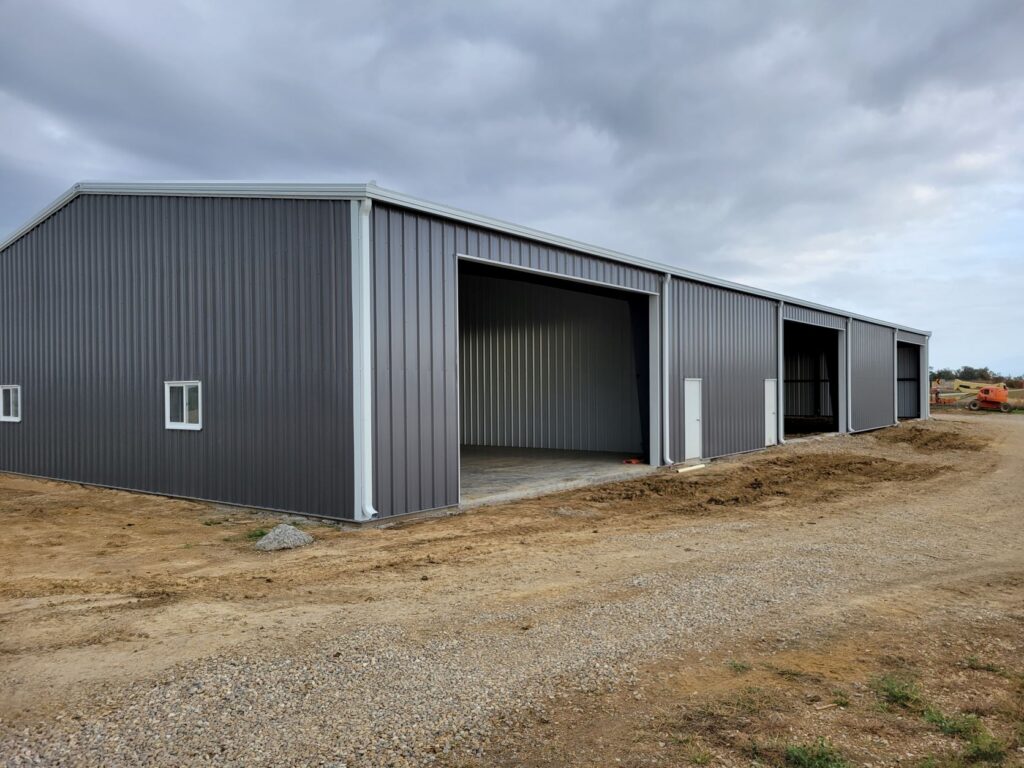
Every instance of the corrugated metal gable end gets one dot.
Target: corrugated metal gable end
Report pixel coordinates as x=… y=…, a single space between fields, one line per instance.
x=249 y=296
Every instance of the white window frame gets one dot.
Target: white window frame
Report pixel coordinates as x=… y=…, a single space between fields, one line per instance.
x=16 y=388
x=168 y=386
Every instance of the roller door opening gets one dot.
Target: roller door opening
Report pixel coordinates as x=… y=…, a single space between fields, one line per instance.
x=553 y=383
x=908 y=380
x=811 y=387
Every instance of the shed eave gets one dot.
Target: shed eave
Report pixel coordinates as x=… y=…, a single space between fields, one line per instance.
x=314 y=191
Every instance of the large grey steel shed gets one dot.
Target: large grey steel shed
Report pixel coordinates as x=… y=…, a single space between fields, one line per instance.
x=336 y=350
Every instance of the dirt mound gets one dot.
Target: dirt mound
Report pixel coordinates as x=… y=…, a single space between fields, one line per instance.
x=806 y=477
x=929 y=440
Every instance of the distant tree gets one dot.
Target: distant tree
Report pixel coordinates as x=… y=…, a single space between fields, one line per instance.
x=970 y=373
x=946 y=374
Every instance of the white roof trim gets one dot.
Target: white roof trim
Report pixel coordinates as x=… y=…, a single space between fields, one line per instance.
x=373 y=192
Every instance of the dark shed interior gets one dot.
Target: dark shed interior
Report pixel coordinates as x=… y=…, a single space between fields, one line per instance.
x=811 y=369
x=908 y=380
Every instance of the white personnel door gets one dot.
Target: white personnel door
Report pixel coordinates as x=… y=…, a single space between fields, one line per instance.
x=692 y=419
x=771 y=411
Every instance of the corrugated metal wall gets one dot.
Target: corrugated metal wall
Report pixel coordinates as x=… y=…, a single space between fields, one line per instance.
x=416 y=433
x=113 y=295
x=543 y=366
x=911 y=338
x=727 y=339
x=813 y=317
x=872 y=376
x=908 y=371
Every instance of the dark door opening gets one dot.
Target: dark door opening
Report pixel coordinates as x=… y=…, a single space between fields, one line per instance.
x=811 y=379
x=908 y=380
x=553 y=381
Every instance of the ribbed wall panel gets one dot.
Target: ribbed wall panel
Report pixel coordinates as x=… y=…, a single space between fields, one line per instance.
x=911 y=338
x=908 y=371
x=546 y=367
x=415 y=295
x=813 y=317
x=729 y=340
x=113 y=295
x=872 y=375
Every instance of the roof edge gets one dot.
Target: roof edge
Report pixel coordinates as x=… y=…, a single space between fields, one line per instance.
x=314 y=191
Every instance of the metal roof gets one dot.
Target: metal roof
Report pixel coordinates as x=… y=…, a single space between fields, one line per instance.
x=373 y=192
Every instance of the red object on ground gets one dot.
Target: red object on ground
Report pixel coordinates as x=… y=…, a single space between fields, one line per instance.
x=631 y=461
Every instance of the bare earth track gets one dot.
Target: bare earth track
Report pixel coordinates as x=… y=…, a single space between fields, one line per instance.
x=710 y=618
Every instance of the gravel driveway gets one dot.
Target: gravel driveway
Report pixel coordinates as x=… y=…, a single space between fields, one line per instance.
x=421 y=669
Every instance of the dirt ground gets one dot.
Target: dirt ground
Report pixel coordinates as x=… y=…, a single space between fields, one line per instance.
x=915 y=654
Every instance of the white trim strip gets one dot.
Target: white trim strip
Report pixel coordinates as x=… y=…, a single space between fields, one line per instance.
x=654 y=363
x=780 y=374
x=362 y=363
x=666 y=356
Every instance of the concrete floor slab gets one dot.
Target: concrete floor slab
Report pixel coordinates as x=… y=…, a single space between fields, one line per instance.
x=495 y=475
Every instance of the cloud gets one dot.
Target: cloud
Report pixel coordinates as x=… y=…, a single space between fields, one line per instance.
x=862 y=155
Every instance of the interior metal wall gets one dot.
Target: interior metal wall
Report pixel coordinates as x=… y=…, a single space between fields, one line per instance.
x=872 y=375
x=808 y=382
x=546 y=366
x=908 y=372
x=415 y=338
x=729 y=340
x=114 y=295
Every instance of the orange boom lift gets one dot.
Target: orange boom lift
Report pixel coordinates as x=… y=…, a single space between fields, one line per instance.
x=994 y=398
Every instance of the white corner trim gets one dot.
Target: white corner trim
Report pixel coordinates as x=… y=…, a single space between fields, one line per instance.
x=654 y=379
x=666 y=308
x=849 y=375
x=362 y=362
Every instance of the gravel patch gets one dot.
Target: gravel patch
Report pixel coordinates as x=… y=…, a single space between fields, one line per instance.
x=380 y=696
x=284 y=537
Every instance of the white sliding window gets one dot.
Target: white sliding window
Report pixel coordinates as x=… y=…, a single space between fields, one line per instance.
x=183 y=405
x=10 y=402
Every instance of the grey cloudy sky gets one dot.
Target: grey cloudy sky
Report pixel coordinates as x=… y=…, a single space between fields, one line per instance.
x=867 y=155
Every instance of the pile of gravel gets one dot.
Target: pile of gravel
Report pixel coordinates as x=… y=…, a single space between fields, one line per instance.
x=284 y=537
